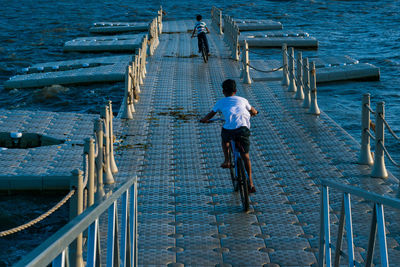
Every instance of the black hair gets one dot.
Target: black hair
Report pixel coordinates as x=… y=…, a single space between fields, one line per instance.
x=199 y=17
x=229 y=86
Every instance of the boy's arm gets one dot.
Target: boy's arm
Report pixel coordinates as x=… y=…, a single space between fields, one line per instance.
x=194 y=30
x=253 y=111
x=208 y=116
x=208 y=31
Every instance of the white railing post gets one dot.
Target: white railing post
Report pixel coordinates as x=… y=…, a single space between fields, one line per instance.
x=98 y=129
x=220 y=22
x=108 y=179
x=299 y=93
x=306 y=83
x=89 y=149
x=128 y=101
x=113 y=165
x=285 y=80
x=76 y=208
x=365 y=152
x=246 y=74
x=379 y=168
x=314 y=109
x=292 y=81
x=160 y=17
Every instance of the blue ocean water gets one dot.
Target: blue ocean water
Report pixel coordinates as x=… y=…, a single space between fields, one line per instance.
x=34 y=31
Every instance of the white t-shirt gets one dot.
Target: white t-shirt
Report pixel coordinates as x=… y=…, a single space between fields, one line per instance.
x=235 y=110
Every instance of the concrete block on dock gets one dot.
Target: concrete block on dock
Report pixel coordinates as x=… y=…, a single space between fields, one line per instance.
x=118 y=27
x=101 y=69
x=257 y=24
x=128 y=42
x=277 y=38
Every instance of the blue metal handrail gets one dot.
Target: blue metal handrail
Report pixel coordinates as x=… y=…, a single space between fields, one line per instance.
x=55 y=249
x=377 y=224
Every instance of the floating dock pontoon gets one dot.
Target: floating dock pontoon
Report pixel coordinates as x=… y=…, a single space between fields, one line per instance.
x=278 y=38
x=257 y=25
x=105 y=43
x=329 y=69
x=101 y=69
x=118 y=27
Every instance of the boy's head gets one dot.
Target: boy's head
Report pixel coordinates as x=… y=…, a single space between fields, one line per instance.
x=229 y=87
x=199 y=17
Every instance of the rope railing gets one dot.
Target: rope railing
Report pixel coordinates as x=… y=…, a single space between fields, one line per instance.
x=389 y=128
x=38 y=219
x=388 y=155
x=370 y=134
x=369 y=108
x=265 y=71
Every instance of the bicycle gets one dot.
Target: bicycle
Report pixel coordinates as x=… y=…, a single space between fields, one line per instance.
x=203 y=50
x=240 y=180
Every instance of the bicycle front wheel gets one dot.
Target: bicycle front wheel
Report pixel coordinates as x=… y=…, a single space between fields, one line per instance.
x=243 y=186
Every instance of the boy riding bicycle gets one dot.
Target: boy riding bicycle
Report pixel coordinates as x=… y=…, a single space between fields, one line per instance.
x=237 y=112
x=201 y=28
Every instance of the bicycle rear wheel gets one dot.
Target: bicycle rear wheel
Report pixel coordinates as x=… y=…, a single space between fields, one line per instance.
x=204 y=53
x=243 y=186
x=232 y=170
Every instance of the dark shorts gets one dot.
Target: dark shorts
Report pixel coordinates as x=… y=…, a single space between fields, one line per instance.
x=241 y=136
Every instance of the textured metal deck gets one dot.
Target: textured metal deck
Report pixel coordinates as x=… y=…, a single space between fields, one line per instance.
x=188 y=212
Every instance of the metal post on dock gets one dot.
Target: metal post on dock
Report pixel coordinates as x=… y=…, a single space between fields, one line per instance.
x=137 y=63
x=76 y=208
x=379 y=168
x=108 y=179
x=306 y=83
x=236 y=48
x=113 y=165
x=285 y=80
x=299 y=77
x=292 y=81
x=220 y=21
x=128 y=101
x=314 y=109
x=144 y=51
x=365 y=157
x=246 y=74
x=89 y=151
x=160 y=17
x=98 y=129
x=136 y=83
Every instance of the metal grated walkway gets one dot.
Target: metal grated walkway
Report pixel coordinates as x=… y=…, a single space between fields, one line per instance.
x=188 y=213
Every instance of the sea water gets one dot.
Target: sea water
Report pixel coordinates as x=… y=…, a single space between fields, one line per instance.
x=35 y=31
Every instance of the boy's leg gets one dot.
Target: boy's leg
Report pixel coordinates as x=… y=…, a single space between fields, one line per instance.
x=247 y=165
x=225 y=149
x=199 y=42
x=206 y=44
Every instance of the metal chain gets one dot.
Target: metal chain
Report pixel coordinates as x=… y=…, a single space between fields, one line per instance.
x=38 y=219
x=369 y=108
x=390 y=129
x=265 y=71
x=388 y=155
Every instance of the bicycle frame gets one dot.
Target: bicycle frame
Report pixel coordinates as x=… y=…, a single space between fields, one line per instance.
x=236 y=157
